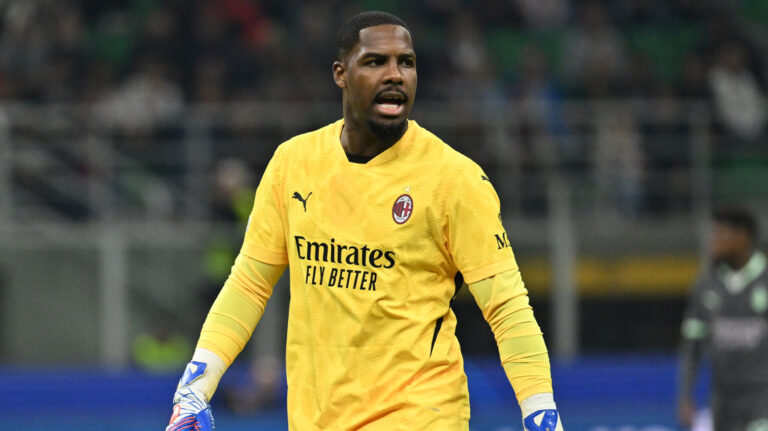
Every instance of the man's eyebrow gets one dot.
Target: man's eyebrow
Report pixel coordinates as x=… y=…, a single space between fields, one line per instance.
x=374 y=54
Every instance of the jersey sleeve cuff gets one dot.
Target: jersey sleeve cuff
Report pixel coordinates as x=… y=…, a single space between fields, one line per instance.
x=265 y=256
x=476 y=274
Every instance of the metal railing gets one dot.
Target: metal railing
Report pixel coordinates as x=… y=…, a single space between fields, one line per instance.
x=611 y=177
x=627 y=156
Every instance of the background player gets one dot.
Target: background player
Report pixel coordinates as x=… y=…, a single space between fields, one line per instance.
x=381 y=223
x=727 y=315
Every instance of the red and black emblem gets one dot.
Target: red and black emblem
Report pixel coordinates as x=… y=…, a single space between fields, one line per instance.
x=402 y=209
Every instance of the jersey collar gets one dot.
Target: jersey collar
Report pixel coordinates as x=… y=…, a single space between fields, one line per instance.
x=736 y=281
x=391 y=153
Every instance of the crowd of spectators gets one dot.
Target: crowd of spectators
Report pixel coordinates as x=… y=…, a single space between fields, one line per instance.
x=208 y=51
x=143 y=61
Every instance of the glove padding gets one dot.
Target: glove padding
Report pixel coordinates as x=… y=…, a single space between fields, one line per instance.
x=191 y=412
x=543 y=420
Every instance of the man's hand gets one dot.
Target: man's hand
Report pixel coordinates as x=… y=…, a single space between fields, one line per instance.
x=685 y=412
x=540 y=413
x=191 y=412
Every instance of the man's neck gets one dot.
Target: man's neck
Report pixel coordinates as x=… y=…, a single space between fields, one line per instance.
x=737 y=262
x=359 y=140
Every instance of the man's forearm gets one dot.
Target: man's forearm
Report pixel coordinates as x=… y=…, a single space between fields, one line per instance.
x=237 y=309
x=694 y=333
x=526 y=363
x=503 y=300
x=690 y=357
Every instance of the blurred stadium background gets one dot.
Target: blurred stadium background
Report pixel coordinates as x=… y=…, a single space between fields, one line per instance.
x=133 y=132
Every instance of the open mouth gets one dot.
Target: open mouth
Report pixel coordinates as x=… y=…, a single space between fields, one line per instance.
x=390 y=103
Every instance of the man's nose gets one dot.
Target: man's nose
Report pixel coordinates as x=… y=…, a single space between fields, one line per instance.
x=393 y=74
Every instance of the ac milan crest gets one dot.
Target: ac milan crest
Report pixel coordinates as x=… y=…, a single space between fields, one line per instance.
x=402 y=209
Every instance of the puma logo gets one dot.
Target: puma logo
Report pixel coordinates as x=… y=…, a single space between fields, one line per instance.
x=303 y=201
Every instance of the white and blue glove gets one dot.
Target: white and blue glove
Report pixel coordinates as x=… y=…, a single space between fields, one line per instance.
x=540 y=413
x=191 y=411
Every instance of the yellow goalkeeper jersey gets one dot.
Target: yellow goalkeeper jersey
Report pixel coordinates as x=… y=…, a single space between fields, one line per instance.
x=374 y=251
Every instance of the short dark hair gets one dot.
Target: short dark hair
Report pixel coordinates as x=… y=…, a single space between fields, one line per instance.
x=349 y=32
x=738 y=218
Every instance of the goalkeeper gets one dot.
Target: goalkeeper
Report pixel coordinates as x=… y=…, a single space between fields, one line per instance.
x=380 y=223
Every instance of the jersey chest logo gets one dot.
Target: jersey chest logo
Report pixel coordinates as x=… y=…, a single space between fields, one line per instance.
x=402 y=209
x=301 y=199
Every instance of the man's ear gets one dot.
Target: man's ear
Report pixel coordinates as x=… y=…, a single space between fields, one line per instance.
x=340 y=74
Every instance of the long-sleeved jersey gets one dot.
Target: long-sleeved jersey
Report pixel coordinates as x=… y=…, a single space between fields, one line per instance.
x=374 y=252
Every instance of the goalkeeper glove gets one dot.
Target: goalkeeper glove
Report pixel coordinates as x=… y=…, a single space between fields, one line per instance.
x=540 y=413
x=191 y=411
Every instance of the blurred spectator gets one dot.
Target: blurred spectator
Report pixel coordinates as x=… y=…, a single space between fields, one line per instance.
x=539 y=96
x=247 y=16
x=24 y=48
x=232 y=201
x=539 y=116
x=99 y=81
x=489 y=12
x=314 y=83
x=472 y=78
x=544 y=13
x=642 y=11
x=537 y=87
x=594 y=53
x=146 y=100
x=737 y=95
x=162 y=348
x=160 y=36
x=209 y=81
x=212 y=34
x=693 y=79
x=618 y=159
x=61 y=80
x=233 y=195
x=641 y=80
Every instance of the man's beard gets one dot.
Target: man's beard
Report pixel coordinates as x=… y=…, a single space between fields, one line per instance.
x=389 y=131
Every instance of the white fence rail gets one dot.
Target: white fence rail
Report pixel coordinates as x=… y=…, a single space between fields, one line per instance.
x=613 y=176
